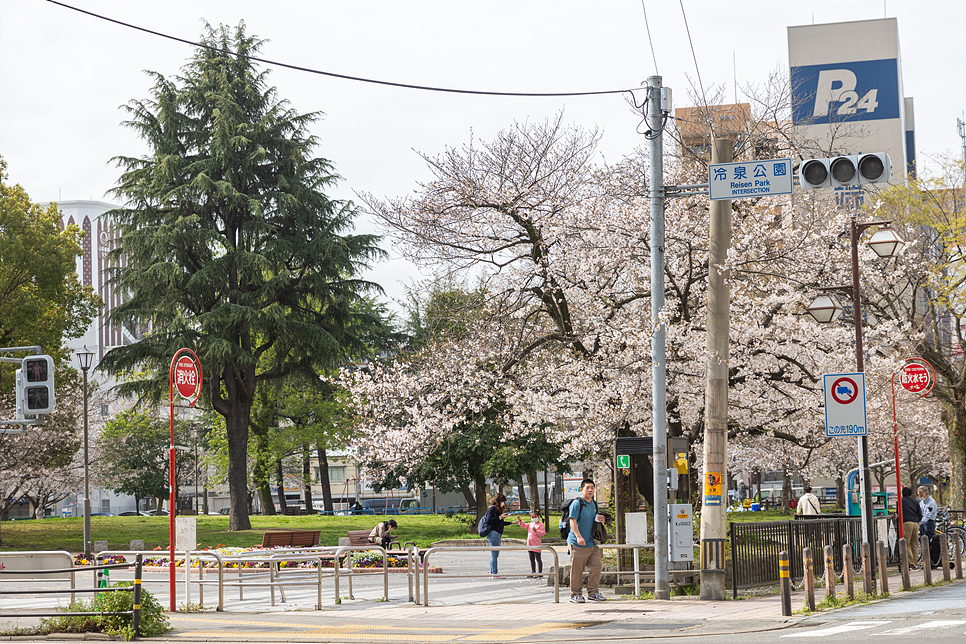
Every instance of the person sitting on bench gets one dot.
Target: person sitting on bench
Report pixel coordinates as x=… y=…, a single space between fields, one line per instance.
x=382 y=533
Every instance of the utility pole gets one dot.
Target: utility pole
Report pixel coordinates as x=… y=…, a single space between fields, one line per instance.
x=961 y=130
x=655 y=126
x=716 y=393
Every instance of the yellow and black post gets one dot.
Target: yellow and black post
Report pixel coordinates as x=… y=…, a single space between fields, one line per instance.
x=786 y=583
x=136 y=612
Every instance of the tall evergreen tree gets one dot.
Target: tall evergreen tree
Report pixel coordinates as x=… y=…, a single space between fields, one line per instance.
x=229 y=245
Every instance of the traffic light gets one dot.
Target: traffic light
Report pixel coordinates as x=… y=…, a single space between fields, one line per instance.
x=35 y=387
x=852 y=170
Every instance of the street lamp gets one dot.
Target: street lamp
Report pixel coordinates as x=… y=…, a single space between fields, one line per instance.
x=886 y=243
x=84 y=358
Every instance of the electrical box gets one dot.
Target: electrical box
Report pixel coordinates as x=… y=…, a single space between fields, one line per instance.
x=681 y=534
x=666 y=102
x=636 y=527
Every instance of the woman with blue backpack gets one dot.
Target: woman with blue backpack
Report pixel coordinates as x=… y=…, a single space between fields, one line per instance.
x=491 y=527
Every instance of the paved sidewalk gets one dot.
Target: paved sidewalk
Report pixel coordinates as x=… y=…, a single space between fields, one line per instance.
x=486 y=610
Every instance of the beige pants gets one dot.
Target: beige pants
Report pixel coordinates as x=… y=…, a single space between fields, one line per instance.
x=580 y=557
x=910 y=532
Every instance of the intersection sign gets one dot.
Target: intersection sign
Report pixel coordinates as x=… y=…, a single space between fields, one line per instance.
x=750 y=179
x=845 y=413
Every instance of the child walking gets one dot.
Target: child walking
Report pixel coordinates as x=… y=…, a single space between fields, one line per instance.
x=535 y=530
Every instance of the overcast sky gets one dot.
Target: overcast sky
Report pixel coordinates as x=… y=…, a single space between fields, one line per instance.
x=63 y=74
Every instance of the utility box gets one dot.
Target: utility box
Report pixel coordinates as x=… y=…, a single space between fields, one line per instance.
x=681 y=534
x=636 y=527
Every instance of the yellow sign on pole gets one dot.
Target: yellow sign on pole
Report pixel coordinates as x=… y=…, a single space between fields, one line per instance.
x=712 y=488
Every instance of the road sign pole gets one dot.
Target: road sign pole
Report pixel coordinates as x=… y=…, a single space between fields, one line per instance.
x=187 y=372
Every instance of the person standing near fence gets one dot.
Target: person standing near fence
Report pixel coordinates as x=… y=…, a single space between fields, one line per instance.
x=929 y=509
x=535 y=530
x=911 y=515
x=495 y=515
x=809 y=505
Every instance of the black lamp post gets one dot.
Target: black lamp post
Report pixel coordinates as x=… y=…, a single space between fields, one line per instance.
x=84 y=358
x=825 y=308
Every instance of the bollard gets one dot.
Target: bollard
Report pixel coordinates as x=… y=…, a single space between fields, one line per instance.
x=809 y=578
x=136 y=610
x=786 y=584
x=957 y=544
x=829 y=573
x=848 y=574
x=926 y=559
x=904 y=564
x=867 y=584
x=944 y=556
x=883 y=573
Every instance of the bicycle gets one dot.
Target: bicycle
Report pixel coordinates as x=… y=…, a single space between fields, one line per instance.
x=944 y=525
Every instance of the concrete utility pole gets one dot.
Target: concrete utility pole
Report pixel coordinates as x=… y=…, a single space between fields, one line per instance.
x=655 y=123
x=716 y=393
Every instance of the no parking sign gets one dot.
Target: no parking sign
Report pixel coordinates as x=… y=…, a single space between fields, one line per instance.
x=845 y=404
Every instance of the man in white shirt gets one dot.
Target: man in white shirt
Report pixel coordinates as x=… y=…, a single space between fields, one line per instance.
x=809 y=504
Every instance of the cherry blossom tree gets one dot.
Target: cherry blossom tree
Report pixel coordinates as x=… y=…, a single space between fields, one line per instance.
x=559 y=244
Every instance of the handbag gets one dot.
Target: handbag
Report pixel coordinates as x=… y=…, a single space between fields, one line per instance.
x=599 y=533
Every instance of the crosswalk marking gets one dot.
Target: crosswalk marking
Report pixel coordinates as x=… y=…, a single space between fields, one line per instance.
x=835 y=630
x=939 y=623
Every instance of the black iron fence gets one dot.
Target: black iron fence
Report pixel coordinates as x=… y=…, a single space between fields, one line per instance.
x=755 y=547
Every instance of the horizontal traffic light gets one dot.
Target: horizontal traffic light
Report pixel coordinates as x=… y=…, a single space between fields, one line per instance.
x=851 y=170
x=35 y=386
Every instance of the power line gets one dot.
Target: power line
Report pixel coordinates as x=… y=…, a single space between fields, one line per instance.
x=649 y=40
x=693 y=55
x=428 y=88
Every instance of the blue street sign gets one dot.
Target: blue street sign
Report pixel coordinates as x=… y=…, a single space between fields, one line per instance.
x=750 y=179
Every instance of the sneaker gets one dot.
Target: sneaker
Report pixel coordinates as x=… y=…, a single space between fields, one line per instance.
x=577 y=599
x=597 y=597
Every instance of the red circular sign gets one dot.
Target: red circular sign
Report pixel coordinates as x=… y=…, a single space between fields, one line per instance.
x=844 y=391
x=914 y=377
x=186 y=377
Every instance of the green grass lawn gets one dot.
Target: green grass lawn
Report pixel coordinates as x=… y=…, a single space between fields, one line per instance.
x=212 y=531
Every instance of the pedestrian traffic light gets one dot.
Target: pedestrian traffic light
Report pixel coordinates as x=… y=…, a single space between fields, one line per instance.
x=35 y=387
x=852 y=170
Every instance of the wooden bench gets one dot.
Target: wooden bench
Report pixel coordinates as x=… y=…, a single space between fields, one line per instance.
x=361 y=538
x=291 y=538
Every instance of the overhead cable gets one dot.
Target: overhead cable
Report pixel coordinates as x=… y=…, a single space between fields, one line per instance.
x=360 y=79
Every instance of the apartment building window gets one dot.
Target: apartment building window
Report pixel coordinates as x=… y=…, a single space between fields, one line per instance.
x=337 y=473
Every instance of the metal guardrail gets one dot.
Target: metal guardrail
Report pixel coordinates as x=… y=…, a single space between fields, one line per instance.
x=135 y=611
x=428 y=553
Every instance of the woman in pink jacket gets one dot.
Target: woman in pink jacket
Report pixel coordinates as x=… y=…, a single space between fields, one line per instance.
x=535 y=530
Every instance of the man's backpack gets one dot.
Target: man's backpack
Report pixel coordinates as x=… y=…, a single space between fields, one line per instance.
x=483 y=528
x=565 y=517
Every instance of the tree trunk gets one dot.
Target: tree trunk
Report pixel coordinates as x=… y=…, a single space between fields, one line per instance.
x=261 y=477
x=481 y=501
x=954 y=415
x=324 y=479
x=306 y=477
x=468 y=495
x=522 y=492
x=534 y=491
x=236 y=424
x=839 y=492
x=280 y=486
x=786 y=490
